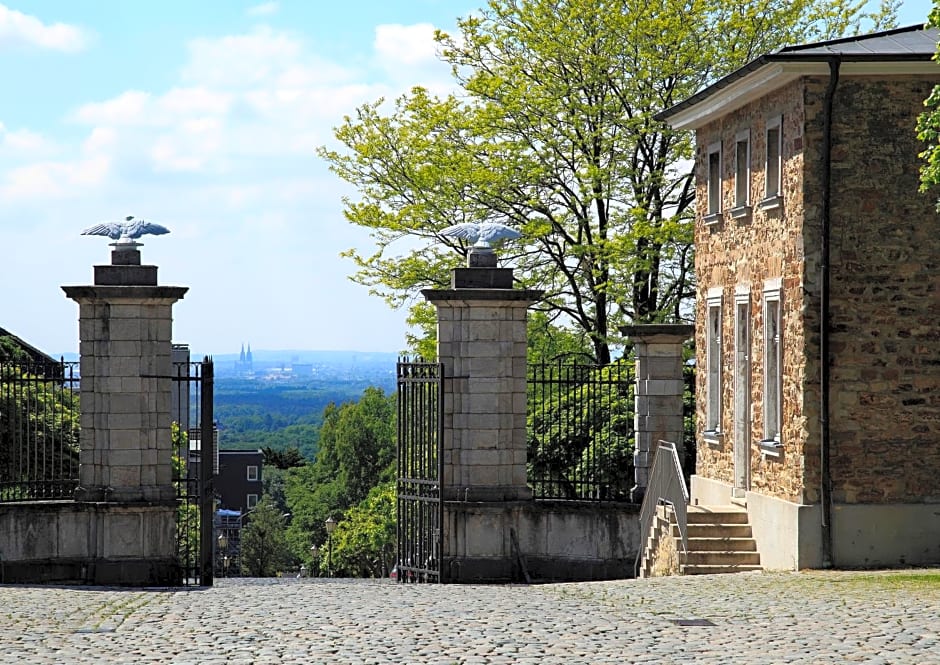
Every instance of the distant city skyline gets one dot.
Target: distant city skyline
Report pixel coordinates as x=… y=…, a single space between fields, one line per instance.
x=204 y=117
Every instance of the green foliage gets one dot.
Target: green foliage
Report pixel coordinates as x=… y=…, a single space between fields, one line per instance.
x=928 y=125
x=187 y=512
x=363 y=543
x=39 y=427
x=264 y=549
x=552 y=131
x=10 y=350
x=357 y=452
x=283 y=459
x=580 y=428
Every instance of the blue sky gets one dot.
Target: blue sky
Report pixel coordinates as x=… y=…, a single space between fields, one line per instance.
x=205 y=117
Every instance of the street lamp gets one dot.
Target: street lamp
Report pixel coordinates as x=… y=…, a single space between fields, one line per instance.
x=313 y=559
x=330 y=524
x=222 y=542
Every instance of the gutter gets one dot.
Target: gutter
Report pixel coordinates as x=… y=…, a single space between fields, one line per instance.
x=825 y=488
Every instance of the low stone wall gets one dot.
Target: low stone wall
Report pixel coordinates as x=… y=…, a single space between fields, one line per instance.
x=554 y=541
x=74 y=542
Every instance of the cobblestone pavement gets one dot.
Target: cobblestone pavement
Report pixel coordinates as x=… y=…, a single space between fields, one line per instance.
x=817 y=617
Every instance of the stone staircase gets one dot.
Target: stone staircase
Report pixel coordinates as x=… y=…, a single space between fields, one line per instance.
x=719 y=541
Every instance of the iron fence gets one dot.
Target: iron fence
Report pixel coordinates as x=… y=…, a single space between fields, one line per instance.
x=420 y=471
x=39 y=430
x=194 y=466
x=580 y=430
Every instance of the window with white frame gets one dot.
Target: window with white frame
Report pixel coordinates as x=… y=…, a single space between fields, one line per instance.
x=252 y=472
x=773 y=166
x=713 y=164
x=773 y=365
x=742 y=173
x=713 y=364
x=251 y=501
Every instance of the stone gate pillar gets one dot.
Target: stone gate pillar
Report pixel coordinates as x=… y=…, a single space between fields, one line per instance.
x=125 y=459
x=659 y=388
x=481 y=336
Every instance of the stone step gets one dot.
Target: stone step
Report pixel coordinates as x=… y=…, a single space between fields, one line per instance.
x=716 y=515
x=715 y=531
x=714 y=544
x=722 y=558
x=717 y=569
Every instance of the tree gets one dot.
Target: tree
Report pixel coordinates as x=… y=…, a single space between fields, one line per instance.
x=552 y=130
x=928 y=124
x=357 y=452
x=264 y=548
x=364 y=540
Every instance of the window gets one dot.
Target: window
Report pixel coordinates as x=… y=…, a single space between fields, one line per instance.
x=714 y=183
x=251 y=501
x=773 y=169
x=713 y=364
x=253 y=472
x=742 y=174
x=773 y=376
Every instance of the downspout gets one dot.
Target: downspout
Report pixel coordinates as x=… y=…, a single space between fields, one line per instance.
x=825 y=489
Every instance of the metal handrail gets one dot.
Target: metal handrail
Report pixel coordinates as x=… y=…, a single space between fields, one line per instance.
x=666 y=486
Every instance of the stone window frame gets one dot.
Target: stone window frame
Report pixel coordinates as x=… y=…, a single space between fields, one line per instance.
x=251 y=501
x=743 y=350
x=773 y=198
x=714 y=181
x=771 y=441
x=713 y=365
x=251 y=473
x=742 y=176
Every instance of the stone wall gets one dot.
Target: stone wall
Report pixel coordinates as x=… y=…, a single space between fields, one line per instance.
x=743 y=253
x=885 y=293
x=557 y=541
x=885 y=304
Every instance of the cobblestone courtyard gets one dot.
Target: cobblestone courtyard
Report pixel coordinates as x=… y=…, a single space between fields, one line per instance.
x=818 y=617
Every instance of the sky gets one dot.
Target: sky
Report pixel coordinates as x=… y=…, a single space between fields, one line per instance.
x=204 y=117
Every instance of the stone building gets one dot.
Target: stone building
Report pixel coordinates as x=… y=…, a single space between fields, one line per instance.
x=818 y=309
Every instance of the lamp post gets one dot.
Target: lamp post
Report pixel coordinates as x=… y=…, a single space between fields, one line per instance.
x=222 y=542
x=330 y=524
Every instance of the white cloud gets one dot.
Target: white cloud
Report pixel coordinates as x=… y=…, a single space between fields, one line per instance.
x=264 y=9
x=19 y=28
x=49 y=180
x=240 y=61
x=405 y=44
x=24 y=142
x=128 y=108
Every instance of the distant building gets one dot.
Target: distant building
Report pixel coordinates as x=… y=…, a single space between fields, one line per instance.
x=245 y=364
x=238 y=480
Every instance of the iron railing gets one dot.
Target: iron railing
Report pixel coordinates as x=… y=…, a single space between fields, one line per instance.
x=420 y=471
x=194 y=467
x=666 y=486
x=580 y=431
x=39 y=430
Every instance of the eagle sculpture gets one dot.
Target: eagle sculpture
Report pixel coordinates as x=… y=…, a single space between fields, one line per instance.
x=482 y=234
x=129 y=229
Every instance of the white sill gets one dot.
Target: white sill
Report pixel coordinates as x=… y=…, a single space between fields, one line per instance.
x=712 y=219
x=770 y=447
x=713 y=438
x=771 y=203
x=741 y=212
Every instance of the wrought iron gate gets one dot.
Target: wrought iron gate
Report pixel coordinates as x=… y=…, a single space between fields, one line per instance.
x=39 y=430
x=195 y=464
x=420 y=471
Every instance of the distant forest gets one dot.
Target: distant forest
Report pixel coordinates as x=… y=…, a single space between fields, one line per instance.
x=254 y=414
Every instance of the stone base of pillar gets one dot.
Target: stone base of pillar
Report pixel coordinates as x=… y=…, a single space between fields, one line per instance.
x=73 y=542
x=148 y=494
x=488 y=493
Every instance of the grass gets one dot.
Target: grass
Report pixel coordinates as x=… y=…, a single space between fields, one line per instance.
x=907 y=580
